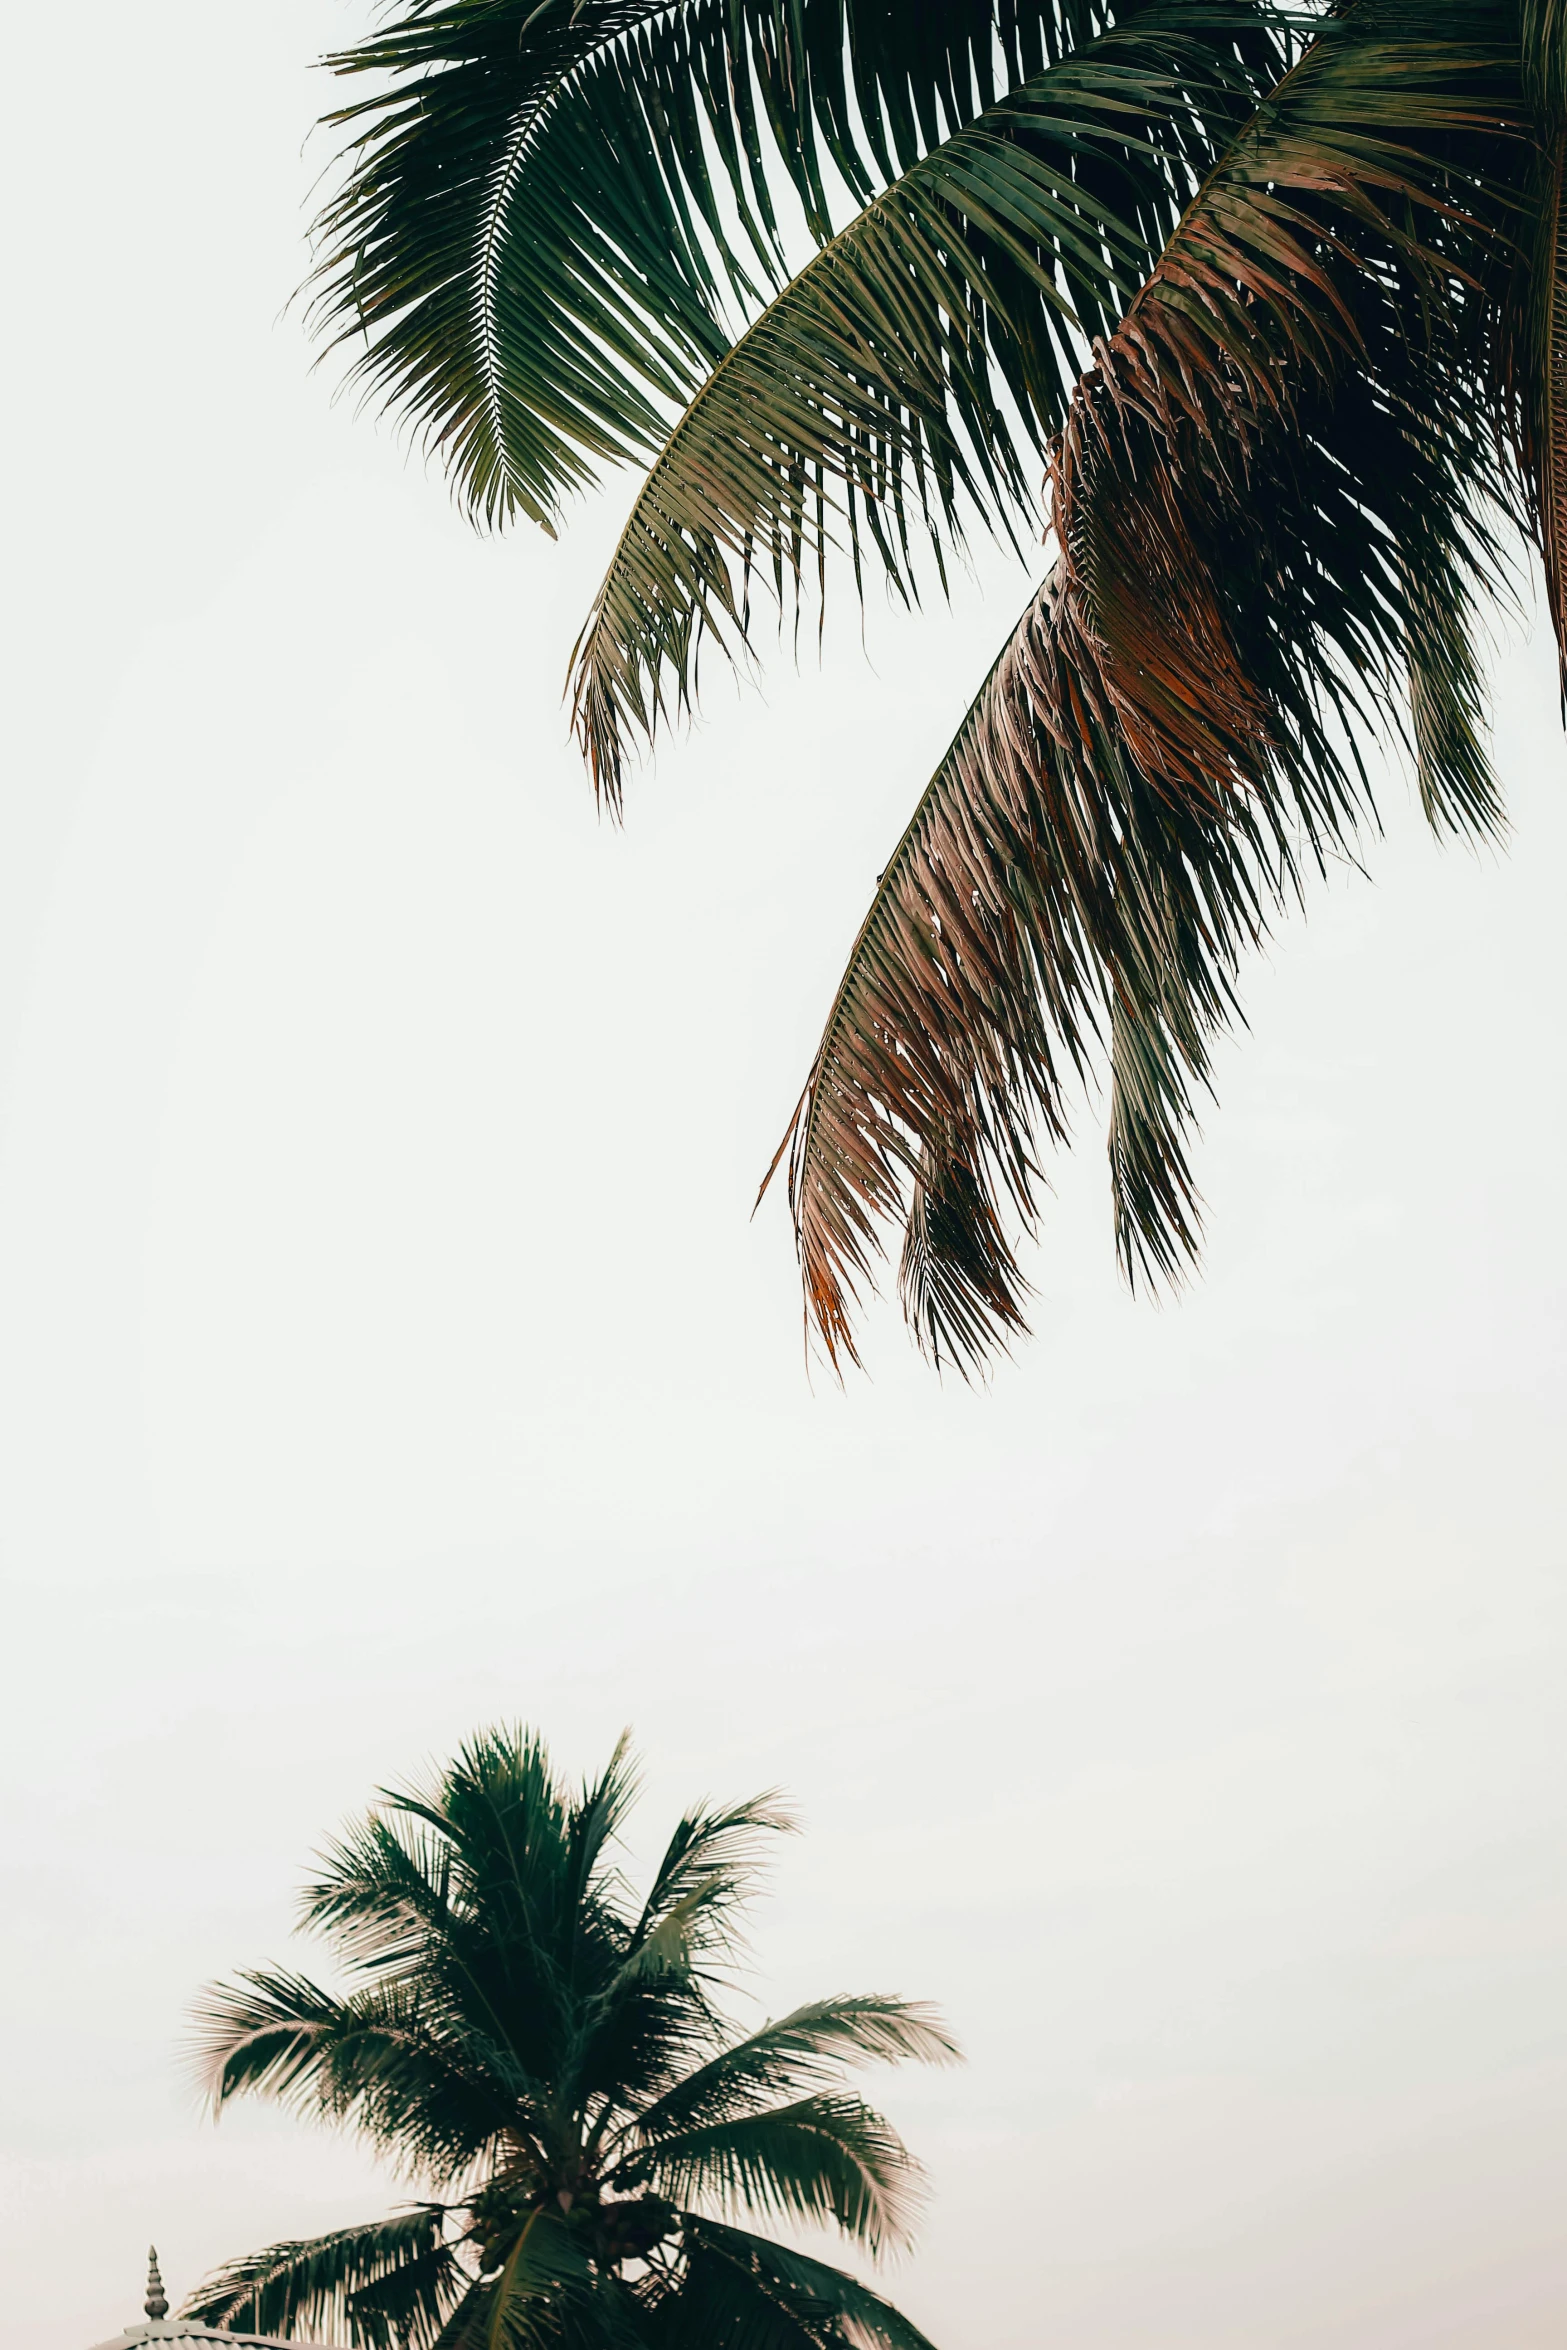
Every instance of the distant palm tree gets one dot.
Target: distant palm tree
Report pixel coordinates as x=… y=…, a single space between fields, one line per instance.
x=548 y=2057
x=1275 y=294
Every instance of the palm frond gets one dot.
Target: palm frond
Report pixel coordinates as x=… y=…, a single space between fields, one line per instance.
x=436 y=2092
x=389 y=2285
x=903 y=377
x=1364 y=168
x=654 y=2014
x=690 y=1916
x=709 y=1868
x=542 y=2286
x=383 y=1892
x=741 y=2292
x=264 y=2032
x=1271 y=498
x=1449 y=724
x=597 y=1818
x=959 y=1276
x=1158 y=1216
x=1543 y=37
x=942 y=1047
x=533 y=234
x=1534 y=363
x=821 y=2159
x=801 y=2052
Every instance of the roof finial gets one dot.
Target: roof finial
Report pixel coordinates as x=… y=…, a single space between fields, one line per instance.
x=156 y=2303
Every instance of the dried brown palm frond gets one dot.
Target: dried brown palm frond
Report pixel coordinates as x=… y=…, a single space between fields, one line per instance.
x=1271 y=496
x=979 y=987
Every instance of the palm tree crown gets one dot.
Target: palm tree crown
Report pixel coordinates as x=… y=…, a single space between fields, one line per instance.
x=548 y=2058
x=1274 y=295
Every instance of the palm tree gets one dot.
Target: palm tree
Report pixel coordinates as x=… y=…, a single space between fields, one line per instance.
x=549 y=2058
x=1273 y=292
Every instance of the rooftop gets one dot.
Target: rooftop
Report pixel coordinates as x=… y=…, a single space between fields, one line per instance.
x=157 y=2326
x=183 y=2329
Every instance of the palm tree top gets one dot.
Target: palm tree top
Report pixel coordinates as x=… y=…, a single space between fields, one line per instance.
x=545 y=2054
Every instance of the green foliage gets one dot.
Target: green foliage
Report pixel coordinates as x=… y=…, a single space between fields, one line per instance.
x=918 y=362
x=546 y=207
x=550 y=2058
x=1275 y=295
x=382 y=2284
x=743 y=2293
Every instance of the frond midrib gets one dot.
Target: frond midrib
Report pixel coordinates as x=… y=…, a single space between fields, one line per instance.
x=527 y=127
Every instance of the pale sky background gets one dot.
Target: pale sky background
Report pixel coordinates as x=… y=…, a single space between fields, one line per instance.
x=385 y=1349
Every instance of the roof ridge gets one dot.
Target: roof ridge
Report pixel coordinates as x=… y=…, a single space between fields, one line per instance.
x=183 y=2329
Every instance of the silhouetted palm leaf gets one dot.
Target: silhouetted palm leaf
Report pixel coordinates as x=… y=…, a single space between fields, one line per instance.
x=743 y=2293
x=820 y=2159
x=389 y=2283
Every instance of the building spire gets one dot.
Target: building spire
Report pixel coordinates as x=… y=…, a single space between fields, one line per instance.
x=156 y=2303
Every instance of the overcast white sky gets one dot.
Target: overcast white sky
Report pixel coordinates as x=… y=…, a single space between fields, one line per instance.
x=384 y=1348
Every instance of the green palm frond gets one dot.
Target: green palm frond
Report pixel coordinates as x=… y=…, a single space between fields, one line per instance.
x=689 y=1917
x=801 y=2052
x=709 y=1869
x=1152 y=1079
x=379 y=2059
x=822 y=2159
x=909 y=370
x=534 y=233
x=522 y=1853
x=545 y=2289
x=958 y=1276
x=382 y=1892
x=1459 y=793
x=390 y=2285
x=1531 y=386
x=743 y=2293
x=263 y=2033
x=1543 y=38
